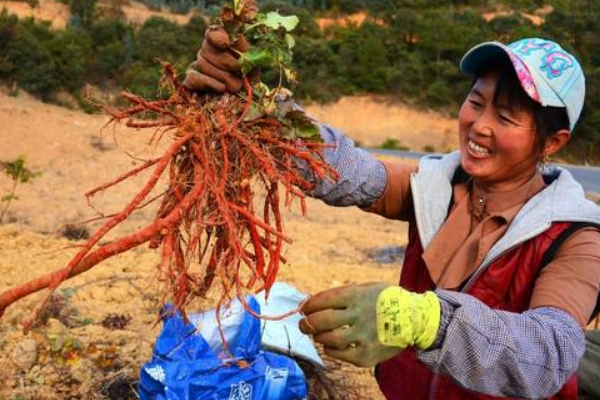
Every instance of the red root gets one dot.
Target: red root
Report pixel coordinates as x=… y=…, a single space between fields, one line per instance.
x=219 y=168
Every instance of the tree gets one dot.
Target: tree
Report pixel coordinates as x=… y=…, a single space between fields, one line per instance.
x=114 y=49
x=162 y=39
x=34 y=68
x=8 y=33
x=83 y=13
x=363 y=61
x=70 y=51
x=318 y=71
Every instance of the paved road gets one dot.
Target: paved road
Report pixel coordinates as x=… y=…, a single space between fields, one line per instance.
x=589 y=177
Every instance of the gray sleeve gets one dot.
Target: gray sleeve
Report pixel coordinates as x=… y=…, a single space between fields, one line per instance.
x=500 y=353
x=362 y=177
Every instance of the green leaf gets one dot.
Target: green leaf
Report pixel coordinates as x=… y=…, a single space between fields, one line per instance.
x=237 y=7
x=290 y=75
x=255 y=112
x=301 y=127
x=308 y=131
x=254 y=57
x=275 y=20
x=290 y=41
x=17 y=171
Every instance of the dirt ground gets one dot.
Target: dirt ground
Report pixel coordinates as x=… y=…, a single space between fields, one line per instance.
x=79 y=352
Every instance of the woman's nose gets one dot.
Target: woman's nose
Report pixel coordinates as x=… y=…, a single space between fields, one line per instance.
x=483 y=124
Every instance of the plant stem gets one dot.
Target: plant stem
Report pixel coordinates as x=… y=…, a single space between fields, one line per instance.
x=11 y=196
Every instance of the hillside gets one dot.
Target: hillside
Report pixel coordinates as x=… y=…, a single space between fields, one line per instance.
x=57 y=13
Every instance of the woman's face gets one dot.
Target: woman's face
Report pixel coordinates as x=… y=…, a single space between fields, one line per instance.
x=497 y=143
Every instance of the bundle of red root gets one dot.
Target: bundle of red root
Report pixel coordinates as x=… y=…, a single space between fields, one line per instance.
x=219 y=222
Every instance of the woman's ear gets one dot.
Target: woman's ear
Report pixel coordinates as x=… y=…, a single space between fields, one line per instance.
x=556 y=142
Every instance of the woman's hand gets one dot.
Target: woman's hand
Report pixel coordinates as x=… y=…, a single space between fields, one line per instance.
x=216 y=68
x=344 y=321
x=370 y=323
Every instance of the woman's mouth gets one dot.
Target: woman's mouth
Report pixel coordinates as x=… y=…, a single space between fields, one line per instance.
x=477 y=150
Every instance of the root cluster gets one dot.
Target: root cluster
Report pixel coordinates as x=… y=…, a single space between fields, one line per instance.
x=219 y=223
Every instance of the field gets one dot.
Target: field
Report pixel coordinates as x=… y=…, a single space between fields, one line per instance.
x=78 y=353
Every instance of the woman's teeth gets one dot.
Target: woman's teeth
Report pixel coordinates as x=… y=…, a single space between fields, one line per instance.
x=477 y=149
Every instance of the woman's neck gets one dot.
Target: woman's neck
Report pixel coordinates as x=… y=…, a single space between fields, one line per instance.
x=502 y=187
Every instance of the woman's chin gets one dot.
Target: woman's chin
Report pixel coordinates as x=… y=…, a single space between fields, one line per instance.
x=474 y=165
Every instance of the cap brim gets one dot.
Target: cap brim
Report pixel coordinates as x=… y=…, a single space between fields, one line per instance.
x=481 y=54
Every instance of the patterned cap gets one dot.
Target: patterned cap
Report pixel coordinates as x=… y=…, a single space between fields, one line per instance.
x=548 y=74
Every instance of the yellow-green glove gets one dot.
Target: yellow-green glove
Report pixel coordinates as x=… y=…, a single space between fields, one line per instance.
x=407 y=319
x=370 y=323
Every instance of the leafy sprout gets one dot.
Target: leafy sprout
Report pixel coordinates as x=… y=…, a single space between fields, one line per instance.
x=271 y=43
x=18 y=173
x=271 y=46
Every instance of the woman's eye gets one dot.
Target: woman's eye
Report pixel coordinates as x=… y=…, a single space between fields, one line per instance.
x=506 y=119
x=475 y=103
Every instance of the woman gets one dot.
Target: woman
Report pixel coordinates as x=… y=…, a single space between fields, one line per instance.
x=502 y=266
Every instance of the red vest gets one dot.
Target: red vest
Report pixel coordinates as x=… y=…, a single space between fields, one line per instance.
x=506 y=284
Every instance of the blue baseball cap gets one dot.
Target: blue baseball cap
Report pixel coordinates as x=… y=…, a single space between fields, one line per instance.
x=548 y=74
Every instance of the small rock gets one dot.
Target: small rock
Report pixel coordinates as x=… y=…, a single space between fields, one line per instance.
x=25 y=354
x=386 y=254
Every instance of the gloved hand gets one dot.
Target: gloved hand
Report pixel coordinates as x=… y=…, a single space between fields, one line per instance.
x=370 y=323
x=216 y=68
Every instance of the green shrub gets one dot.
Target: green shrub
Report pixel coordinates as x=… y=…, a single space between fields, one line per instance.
x=437 y=94
x=34 y=68
x=393 y=144
x=70 y=51
x=83 y=13
x=18 y=173
x=143 y=80
x=165 y=40
x=8 y=33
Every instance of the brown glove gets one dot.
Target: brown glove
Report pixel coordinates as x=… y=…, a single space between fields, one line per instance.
x=216 y=68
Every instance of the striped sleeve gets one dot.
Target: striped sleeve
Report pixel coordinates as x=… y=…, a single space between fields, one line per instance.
x=499 y=353
x=362 y=177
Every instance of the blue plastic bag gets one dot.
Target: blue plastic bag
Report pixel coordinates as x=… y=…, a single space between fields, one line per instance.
x=184 y=367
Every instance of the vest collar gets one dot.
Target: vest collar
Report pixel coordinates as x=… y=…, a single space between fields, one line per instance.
x=562 y=200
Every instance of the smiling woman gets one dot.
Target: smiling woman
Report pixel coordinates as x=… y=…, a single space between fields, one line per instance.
x=498 y=143
x=502 y=266
x=505 y=135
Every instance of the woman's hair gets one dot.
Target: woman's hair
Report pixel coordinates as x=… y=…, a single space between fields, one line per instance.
x=548 y=120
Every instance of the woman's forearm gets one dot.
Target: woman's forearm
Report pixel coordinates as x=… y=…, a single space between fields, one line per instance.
x=529 y=354
x=362 y=177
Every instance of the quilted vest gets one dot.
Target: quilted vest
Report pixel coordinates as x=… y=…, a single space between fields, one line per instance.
x=506 y=284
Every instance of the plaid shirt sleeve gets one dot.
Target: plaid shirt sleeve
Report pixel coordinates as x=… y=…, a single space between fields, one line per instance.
x=362 y=177
x=499 y=353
